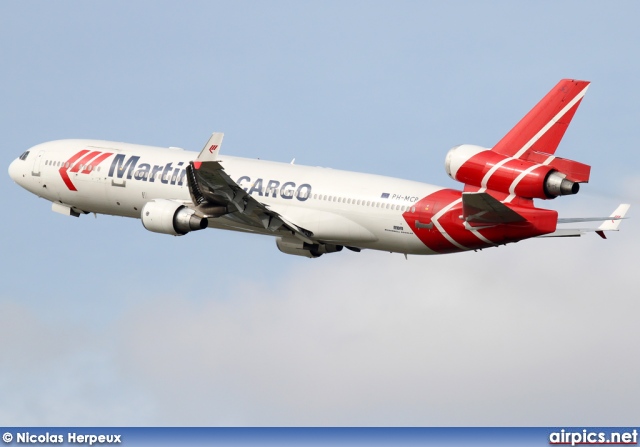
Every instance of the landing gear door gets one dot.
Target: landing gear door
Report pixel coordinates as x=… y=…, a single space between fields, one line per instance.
x=36 y=164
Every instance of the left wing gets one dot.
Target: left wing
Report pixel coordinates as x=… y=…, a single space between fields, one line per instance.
x=215 y=194
x=610 y=223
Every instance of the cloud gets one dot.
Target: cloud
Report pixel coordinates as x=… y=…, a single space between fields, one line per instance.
x=541 y=332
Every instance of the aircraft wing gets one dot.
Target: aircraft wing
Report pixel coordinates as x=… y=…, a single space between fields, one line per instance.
x=610 y=223
x=215 y=194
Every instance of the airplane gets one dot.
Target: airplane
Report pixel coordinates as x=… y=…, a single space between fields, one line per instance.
x=312 y=211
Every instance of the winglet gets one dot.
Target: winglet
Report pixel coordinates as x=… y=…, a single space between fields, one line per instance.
x=618 y=214
x=212 y=148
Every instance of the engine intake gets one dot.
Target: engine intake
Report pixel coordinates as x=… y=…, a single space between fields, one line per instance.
x=170 y=217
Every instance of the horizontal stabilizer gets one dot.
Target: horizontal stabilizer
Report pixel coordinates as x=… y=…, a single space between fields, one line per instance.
x=481 y=207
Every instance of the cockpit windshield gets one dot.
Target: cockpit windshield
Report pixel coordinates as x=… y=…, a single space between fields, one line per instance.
x=24 y=156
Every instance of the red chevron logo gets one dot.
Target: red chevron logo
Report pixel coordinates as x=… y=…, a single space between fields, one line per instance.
x=82 y=162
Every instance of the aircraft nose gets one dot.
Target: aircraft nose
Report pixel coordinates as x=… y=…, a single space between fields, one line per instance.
x=14 y=170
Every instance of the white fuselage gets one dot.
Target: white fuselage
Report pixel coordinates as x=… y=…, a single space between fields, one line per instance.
x=342 y=207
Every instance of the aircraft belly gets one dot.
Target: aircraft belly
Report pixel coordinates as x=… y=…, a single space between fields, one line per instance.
x=394 y=236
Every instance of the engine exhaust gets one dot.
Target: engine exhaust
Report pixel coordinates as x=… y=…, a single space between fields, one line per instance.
x=556 y=184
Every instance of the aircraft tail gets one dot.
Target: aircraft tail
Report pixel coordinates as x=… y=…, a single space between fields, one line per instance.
x=522 y=164
x=544 y=126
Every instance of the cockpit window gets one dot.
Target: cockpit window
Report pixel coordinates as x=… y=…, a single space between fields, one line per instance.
x=24 y=156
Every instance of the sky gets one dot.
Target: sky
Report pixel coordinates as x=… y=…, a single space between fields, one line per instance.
x=104 y=323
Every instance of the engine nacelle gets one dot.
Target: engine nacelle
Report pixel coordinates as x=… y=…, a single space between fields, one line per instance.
x=169 y=217
x=484 y=168
x=293 y=246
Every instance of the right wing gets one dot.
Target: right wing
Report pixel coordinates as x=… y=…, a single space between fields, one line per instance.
x=215 y=194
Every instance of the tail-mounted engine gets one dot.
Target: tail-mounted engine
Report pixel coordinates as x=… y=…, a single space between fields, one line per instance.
x=540 y=176
x=170 y=217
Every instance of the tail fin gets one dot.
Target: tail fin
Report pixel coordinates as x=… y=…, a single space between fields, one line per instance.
x=544 y=126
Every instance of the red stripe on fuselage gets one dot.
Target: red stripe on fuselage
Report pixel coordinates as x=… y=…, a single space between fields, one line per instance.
x=85 y=160
x=96 y=162
x=67 y=165
x=81 y=159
